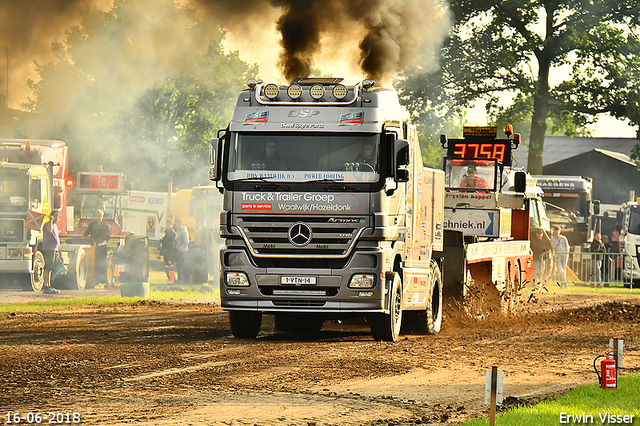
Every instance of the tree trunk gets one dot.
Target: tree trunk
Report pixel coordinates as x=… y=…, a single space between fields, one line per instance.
x=540 y=112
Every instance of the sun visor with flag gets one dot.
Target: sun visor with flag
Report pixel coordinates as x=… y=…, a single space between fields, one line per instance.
x=34 y=220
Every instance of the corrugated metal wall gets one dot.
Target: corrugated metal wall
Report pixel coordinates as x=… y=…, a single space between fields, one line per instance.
x=612 y=178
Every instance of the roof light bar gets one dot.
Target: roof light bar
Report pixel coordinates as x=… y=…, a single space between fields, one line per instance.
x=294 y=91
x=340 y=91
x=316 y=91
x=271 y=91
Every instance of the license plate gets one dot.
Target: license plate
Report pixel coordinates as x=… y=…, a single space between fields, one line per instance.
x=298 y=280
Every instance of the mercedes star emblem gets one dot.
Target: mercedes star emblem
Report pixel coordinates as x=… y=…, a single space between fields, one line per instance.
x=300 y=234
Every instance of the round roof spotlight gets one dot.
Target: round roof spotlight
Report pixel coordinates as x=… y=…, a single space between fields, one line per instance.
x=294 y=91
x=368 y=84
x=252 y=83
x=340 y=91
x=316 y=92
x=271 y=91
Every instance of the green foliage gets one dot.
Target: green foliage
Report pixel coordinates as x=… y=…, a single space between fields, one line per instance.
x=520 y=49
x=126 y=92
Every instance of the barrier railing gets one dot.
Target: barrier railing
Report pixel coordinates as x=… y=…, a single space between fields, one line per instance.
x=585 y=268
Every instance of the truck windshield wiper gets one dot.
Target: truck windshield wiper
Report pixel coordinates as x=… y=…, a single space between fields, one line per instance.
x=267 y=184
x=338 y=184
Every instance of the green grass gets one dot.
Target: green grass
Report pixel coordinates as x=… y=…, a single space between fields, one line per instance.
x=587 y=399
x=158 y=290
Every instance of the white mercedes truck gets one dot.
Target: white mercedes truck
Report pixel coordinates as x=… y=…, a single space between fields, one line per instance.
x=328 y=211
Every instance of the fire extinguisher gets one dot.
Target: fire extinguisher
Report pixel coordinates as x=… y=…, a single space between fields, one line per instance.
x=608 y=368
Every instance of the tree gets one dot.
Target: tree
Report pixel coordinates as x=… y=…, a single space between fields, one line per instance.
x=518 y=48
x=139 y=89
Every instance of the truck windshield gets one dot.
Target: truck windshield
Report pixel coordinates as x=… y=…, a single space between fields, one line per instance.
x=634 y=221
x=470 y=174
x=14 y=191
x=92 y=203
x=303 y=157
x=570 y=202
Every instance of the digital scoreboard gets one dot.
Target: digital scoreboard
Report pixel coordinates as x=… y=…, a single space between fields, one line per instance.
x=480 y=143
x=499 y=150
x=100 y=182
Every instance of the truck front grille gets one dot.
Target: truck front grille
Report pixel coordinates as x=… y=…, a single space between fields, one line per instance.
x=317 y=236
x=11 y=230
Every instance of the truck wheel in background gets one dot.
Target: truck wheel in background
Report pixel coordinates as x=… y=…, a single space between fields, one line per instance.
x=146 y=262
x=78 y=271
x=111 y=269
x=387 y=326
x=245 y=324
x=298 y=323
x=35 y=280
x=510 y=294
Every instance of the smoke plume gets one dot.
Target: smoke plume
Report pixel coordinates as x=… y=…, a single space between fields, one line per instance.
x=392 y=35
x=395 y=35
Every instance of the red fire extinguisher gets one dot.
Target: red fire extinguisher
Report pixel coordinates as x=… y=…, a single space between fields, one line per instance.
x=608 y=369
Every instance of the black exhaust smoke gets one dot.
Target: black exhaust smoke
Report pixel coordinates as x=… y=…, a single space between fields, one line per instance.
x=395 y=34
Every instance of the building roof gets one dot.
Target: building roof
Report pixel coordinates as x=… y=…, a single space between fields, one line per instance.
x=558 y=148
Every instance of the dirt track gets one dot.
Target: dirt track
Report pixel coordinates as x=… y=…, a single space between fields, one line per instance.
x=177 y=364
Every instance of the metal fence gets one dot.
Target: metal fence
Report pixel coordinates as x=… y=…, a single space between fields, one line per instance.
x=583 y=268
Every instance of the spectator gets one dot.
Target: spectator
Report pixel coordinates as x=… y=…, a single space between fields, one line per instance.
x=99 y=232
x=597 y=246
x=50 y=246
x=615 y=248
x=607 y=264
x=541 y=248
x=168 y=248
x=182 y=247
x=560 y=246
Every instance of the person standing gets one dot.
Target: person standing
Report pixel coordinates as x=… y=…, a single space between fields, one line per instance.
x=99 y=232
x=597 y=247
x=50 y=246
x=560 y=245
x=541 y=248
x=182 y=247
x=168 y=248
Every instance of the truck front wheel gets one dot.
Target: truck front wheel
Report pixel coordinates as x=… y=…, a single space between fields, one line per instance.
x=387 y=326
x=80 y=270
x=245 y=324
x=35 y=280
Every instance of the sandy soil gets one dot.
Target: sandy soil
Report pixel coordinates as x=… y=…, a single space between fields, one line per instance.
x=177 y=364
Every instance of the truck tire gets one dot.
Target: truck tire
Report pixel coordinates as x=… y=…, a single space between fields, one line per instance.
x=298 y=323
x=431 y=318
x=386 y=327
x=245 y=324
x=79 y=270
x=35 y=280
x=510 y=294
x=146 y=262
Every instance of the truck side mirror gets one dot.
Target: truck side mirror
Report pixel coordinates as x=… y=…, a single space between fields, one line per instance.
x=214 y=149
x=401 y=161
x=57 y=197
x=596 y=206
x=520 y=182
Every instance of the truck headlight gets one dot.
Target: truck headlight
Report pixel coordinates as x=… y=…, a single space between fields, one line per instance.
x=237 y=279
x=15 y=253
x=362 y=281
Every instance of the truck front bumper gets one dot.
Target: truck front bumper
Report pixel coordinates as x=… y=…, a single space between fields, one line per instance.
x=323 y=291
